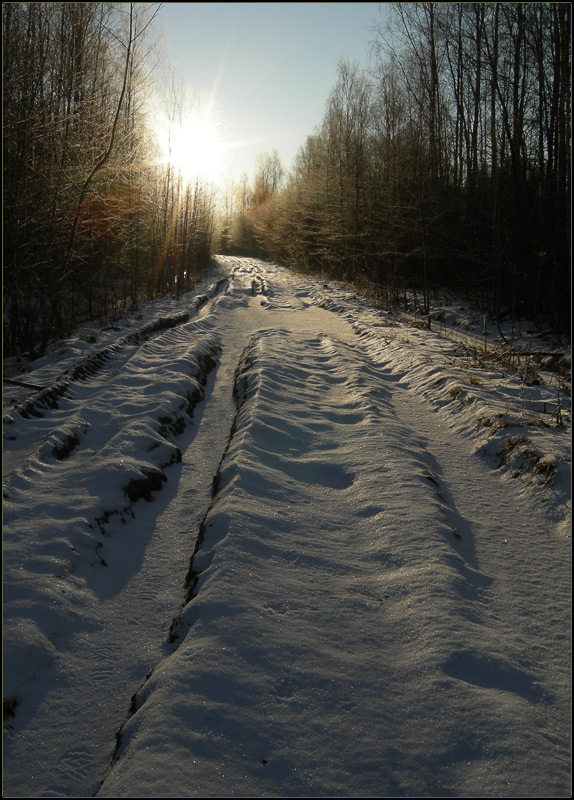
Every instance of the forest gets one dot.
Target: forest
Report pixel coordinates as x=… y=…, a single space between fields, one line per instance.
x=444 y=163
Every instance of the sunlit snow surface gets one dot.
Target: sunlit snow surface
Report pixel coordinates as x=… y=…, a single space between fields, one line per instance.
x=266 y=540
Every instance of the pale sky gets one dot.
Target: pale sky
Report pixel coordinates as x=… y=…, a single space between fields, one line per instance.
x=269 y=67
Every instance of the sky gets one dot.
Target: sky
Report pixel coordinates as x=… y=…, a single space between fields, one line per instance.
x=265 y=540
x=269 y=67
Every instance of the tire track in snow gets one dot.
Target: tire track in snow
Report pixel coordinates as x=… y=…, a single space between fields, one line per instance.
x=400 y=555
x=217 y=414
x=421 y=545
x=503 y=580
x=215 y=424
x=488 y=516
x=177 y=631
x=108 y=383
x=61 y=401
x=336 y=397
x=92 y=365
x=143 y=591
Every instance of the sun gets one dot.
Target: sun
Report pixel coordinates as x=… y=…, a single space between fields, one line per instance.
x=194 y=146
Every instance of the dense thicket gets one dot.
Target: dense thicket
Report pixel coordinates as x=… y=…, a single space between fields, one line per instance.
x=91 y=223
x=447 y=162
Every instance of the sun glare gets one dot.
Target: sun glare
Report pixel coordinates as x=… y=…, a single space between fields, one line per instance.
x=194 y=147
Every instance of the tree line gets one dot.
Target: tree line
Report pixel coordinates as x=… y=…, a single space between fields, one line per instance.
x=446 y=162
x=93 y=223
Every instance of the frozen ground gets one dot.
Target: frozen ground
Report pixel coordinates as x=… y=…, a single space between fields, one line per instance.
x=267 y=541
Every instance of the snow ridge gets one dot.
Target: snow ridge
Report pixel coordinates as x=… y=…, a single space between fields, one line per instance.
x=134 y=436
x=340 y=590
x=414 y=550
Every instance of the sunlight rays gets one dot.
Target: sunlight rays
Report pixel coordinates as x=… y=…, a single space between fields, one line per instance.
x=194 y=145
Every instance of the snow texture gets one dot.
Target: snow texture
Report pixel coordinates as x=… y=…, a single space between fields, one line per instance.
x=266 y=540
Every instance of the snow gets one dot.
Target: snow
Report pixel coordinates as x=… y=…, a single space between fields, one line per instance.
x=265 y=540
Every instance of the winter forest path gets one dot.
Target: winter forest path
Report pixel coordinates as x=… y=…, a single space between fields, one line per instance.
x=361 y=615
x=142 y=583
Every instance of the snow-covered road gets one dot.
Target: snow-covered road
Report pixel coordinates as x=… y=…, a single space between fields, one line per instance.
x=262 y=549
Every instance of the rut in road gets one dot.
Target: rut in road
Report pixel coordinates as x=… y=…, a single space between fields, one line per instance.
x=346 y=402
x=212 y=431
x=339 y=539
x=358 y=472
x=138 y=592
x=239 y=315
